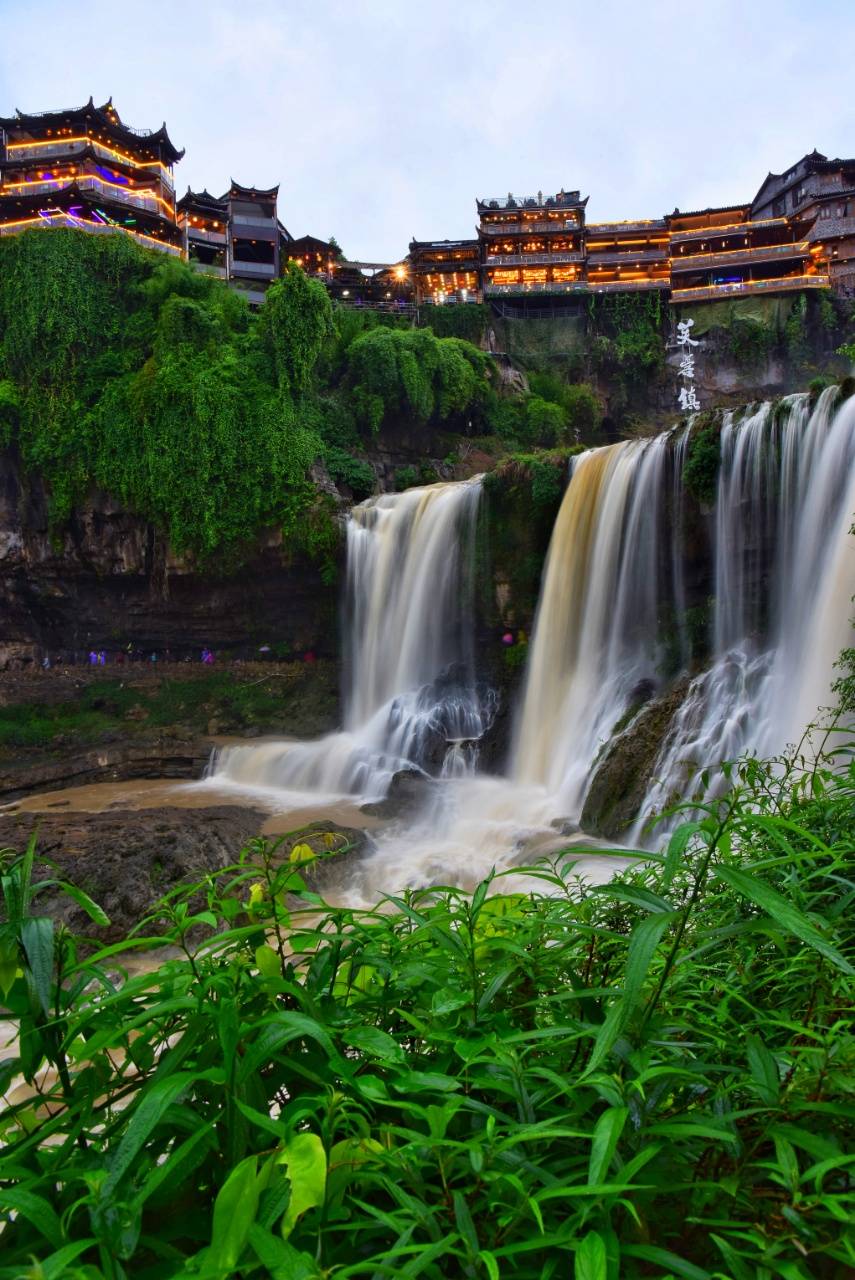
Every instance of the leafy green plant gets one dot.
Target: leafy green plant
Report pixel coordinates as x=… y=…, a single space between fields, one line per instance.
x=155 y=383
x=651 y=1077
x=703 y=460
x=357 y=474
x=396 y=372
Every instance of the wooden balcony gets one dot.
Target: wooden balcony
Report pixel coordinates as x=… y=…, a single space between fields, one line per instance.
x=627 y=286
x=620 y=228
x=738 y=257
x=786 y=284
x=522 y=228
x=620 y=257
x=542 y=287
x=558 y=259
x=207 y=237
x=710 y=233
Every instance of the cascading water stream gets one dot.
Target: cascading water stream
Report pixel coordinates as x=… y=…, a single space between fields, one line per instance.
x=785 y=577
x=410 y=695
x=622 y=567
x=596 y=638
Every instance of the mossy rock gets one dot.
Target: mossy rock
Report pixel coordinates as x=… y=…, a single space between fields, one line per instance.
x=625 y=770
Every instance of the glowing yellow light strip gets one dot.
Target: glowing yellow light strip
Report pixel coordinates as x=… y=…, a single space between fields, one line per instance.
x=782 y=282
x=798 y=250
x=726 y=226
x=60 y=183
x=107 y=226
x=94 y=142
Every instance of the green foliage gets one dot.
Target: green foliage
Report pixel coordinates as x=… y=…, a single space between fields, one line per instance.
x=545 y=423
x=646 y=1078
x=466 y=320
x=398 y=373
x=9 y=409
x=703 y=459
x=795 y=331
x=827 y=313
x=156 y=383
x=579 y=402
x=102 y=707
x=295 y=322
x=344 y=468
x=406 y=478
x=750 y=341
x=847 y=350
x=628 y=337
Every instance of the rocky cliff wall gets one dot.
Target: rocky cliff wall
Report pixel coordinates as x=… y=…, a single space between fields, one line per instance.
x=108 y=580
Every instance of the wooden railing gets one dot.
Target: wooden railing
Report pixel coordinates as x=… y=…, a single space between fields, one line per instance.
x=783 y=284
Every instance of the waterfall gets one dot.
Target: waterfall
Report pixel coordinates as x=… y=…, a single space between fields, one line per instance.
x=610 y=633
x=410 y=697
x=596 y=639
x=785 y=577
x=783 y=572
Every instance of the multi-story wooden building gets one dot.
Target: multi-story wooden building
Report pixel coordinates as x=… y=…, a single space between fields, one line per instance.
x=798 y=233
x=237 y=236
x=85 y=168
x=819 y=195
x=722 y=252
x=531 y=244
x=204 y=222
x=443 y=270
x=629 y=256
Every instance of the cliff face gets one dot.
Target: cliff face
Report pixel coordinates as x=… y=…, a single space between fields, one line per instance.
x=109 y=580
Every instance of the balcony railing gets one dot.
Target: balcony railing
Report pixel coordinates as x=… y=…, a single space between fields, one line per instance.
x=710 y=233
x=240 y=268
x=783 y=284
x=93 y=228
x=210 y=269
x=619 y=256
x=618 y=228
x=557 y=258
x=627 y=286
x=723 y=257
x=547 y=286
x=210 y=237
x=252 y=220
x=76 y=146
x=526 y=228
x=89 y=182
x=577 y=286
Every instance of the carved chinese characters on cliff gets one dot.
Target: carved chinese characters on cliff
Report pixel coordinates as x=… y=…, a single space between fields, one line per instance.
x=687 y=397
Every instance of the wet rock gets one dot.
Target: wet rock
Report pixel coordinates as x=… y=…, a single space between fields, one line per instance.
x=167 y=757
x=626 y=766
x=127 y=860
x=408 y=790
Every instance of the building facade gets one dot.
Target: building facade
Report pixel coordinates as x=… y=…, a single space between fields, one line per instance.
x=85 y=168
x=237 y=236
x=798 y=233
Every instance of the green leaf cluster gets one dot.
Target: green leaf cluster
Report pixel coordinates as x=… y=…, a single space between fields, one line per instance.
x=649 y=1077
x=124 y=370
x=396 y=373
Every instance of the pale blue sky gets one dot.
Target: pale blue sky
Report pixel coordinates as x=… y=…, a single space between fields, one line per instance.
x=381 y=120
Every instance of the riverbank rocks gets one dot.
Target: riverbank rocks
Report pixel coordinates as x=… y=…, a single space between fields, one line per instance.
x=625 y=770
x=173 y=757
x=128 y=859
